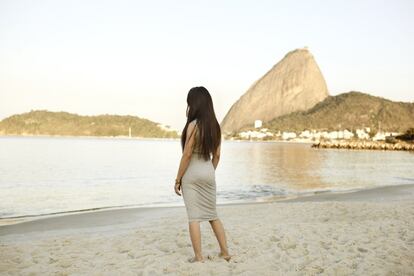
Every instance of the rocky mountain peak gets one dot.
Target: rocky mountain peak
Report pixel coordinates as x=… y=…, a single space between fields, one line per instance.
x=295 y=83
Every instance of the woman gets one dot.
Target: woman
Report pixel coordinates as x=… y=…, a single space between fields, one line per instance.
x=200 y=139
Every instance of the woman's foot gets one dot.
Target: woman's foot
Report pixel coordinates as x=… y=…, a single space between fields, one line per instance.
x=227 y=257
x=195 y=259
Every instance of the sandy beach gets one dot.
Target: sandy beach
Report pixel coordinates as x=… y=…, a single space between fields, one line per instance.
x=368 y=232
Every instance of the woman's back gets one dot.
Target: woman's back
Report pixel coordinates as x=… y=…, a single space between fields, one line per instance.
x=197 y=149
x=197 y=141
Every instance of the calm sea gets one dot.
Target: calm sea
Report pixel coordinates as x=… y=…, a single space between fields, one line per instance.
x=42 y=175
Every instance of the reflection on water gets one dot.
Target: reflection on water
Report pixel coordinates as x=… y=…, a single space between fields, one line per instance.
x=251 y=169
x=41 y=175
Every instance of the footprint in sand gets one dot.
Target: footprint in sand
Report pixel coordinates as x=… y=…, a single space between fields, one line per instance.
x=123 y=250
x=287 y=243
x=325 y=245
x=65 y=263
x=274 y=238
x=181 y=244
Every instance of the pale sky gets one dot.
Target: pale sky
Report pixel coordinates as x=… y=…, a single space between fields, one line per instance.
x=141 y=57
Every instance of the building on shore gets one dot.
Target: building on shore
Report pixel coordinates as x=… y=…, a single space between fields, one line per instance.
x=315 y=135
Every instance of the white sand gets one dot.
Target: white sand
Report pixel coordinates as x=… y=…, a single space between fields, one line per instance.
x=330 y=235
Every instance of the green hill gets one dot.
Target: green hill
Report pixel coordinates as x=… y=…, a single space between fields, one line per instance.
x=350 y=111
x=42 y=122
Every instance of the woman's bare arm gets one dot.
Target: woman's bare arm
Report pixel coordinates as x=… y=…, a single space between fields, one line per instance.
x=216 y=156
x=188 y=150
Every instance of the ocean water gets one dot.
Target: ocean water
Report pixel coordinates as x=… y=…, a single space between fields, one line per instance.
x=47 y=175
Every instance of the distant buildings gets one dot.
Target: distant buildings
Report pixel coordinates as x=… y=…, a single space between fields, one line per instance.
x=380 y=136
x=363 y=133
x=288 y=135
x=257 y=123
x=168 y=128
x=313 y=135
x=255 y=134
x=337 y=134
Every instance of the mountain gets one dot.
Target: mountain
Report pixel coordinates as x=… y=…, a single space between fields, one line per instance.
x=293 y=84
x=42 y=122
x=350 y=111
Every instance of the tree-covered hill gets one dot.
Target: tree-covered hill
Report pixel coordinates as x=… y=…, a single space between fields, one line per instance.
x=350 y=111
x=42 y=122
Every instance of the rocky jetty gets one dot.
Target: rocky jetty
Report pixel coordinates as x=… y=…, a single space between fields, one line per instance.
x=364 y=145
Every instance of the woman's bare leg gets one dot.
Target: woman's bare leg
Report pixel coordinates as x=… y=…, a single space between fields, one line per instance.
x=195 y=236
x=221 y=236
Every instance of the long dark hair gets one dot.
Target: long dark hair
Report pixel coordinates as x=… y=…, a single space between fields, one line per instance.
x=201 y=108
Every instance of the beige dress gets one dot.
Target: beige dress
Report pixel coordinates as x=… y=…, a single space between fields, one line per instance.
x=199 y=187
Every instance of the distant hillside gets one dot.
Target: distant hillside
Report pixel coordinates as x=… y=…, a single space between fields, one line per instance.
x=350 y=111
x=43 y=122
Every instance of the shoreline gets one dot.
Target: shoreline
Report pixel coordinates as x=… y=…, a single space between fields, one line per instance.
x=97 y=216
x=144 y=138
x=87 y=137
x=316 y=144
x=366 y=232
x=301 y=197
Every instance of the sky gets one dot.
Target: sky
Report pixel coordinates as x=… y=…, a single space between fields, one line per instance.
x=141 y=57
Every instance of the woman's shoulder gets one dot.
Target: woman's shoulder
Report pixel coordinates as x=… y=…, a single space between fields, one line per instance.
x=191 y=126
x=193 y=122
